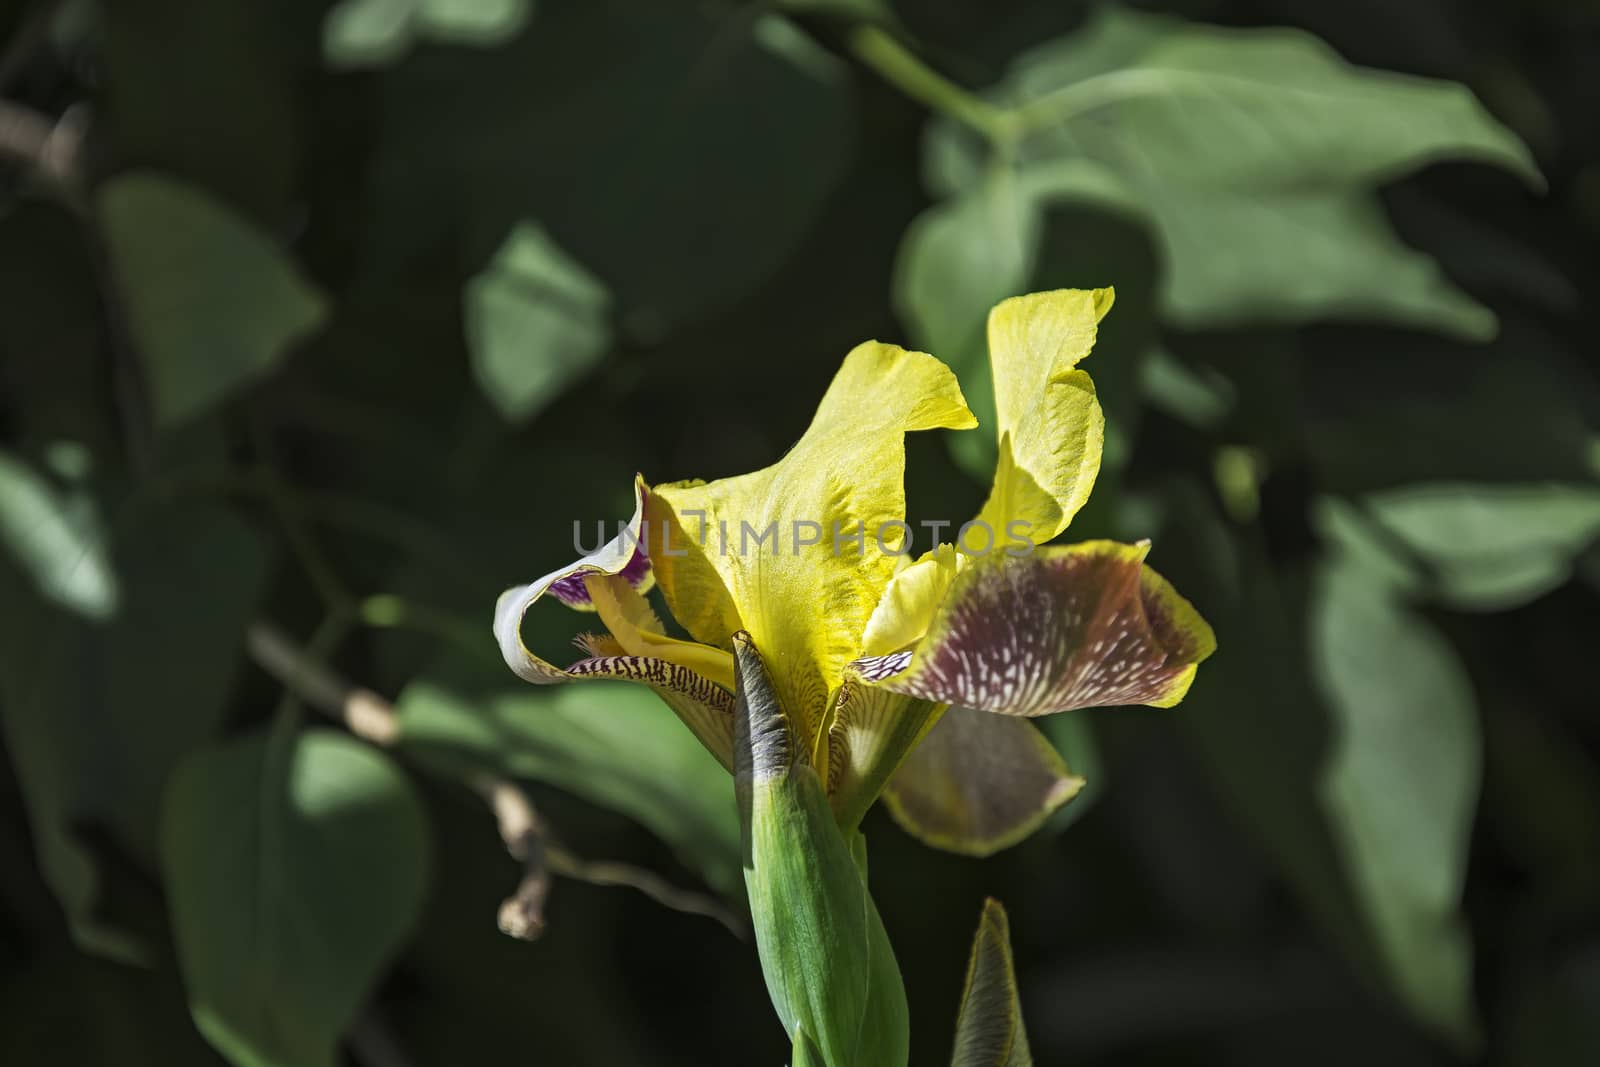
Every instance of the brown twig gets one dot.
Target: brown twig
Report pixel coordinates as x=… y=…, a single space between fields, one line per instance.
x=523 y=830
x=48 y=146
x=524 y=834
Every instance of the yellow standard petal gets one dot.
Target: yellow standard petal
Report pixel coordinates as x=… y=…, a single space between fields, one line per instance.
x=1050 y=425
x=910 y=603
x=795 y=553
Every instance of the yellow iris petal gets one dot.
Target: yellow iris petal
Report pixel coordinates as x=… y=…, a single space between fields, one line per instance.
x=910 y=603
x=638 y=632
x=777 y=551
x=1050 y=425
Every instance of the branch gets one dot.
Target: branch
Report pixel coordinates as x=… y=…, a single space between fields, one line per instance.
x=523 y=830
x=49 y=147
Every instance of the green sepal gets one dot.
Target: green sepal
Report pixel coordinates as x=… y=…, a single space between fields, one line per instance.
x=989 y=1030
x=886 y=1030
x=824 y=953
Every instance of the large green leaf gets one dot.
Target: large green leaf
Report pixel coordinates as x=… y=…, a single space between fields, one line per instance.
x=1401 y=784
x=1251 y=154
x=295 y=867
x=57 y=539
x=681 y=162
x=535 y=320
x=1255 y=720
x=369 y=33
x=1491 y=547
x=615 y=745
x=96 y=716
x=213 y=304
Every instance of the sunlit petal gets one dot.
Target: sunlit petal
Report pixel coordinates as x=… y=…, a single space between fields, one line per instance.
x=1066 y=627
x=910 y=603
x=1050 y=426
x=761 y=550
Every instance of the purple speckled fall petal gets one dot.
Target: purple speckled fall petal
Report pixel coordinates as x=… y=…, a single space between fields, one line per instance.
x=1070 y=626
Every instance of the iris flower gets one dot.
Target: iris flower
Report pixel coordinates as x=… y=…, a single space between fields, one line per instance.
x=908 y=678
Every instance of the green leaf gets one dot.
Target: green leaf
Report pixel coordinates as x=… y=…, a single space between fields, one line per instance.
x=1251 y=154
x=1255 y=720
x=958 y=260
x=57 y=539
x=371 y=33
x=962 y=257
x=1202 y=400
x=535 y=321
x=615 y=745
x=681 y=163
x=213 y=304
x=96 y=716
x=1492 y=547
x=1269 y=108
x=1400 y=787
x=989 y=1030
x=295 y=866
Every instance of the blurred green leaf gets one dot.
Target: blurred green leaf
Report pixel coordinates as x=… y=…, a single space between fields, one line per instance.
x=295 y=866
x=213 y=93
x=535 y=321
x=96 y=716
x=1492 y=547
x=616 y=746
x=989 y=1032
x=681 y=162
x=1401 y=785
x=1004 y=236
x=1425 y=421
x=369 y=33
x=1202 y=400
x=1251 y=153
x=213 y=304
x=1255 y=720
x=959 y=259
x=57 y=539
x=1073 y=737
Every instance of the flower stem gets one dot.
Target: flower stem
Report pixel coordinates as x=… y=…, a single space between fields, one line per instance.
x=898 y=66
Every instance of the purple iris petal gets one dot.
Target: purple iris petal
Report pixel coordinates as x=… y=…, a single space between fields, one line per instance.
x=572 y=592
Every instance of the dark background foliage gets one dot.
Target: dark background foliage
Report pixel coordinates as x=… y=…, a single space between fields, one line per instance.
x=334 y=321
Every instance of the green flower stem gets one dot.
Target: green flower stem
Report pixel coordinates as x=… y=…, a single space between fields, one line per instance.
x=902 y=69
x=1004 y=126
